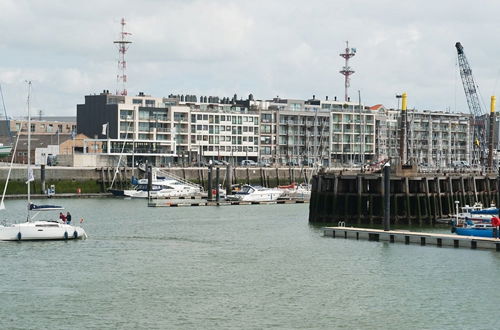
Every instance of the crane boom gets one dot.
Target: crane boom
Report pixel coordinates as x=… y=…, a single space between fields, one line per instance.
x=468 y=82
x=471 y=93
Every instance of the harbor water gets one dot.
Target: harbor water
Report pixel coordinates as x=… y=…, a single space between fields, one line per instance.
x=235 y=267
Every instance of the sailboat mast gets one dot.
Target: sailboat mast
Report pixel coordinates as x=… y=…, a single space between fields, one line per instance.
x=29 y=146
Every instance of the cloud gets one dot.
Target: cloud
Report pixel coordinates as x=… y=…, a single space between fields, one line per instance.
x=220 y=47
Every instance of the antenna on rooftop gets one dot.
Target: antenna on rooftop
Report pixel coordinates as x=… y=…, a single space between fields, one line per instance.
x=346 y=70
x=123 y=44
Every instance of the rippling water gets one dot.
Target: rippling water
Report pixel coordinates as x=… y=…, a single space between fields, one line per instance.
x=236 y=267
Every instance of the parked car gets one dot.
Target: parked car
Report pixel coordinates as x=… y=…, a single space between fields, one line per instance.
x=264 y=163
x=292 y=163
x=248 y=162
x=219 y=162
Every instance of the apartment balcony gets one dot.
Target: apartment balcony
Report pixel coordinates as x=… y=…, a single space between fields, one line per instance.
x=163 y=130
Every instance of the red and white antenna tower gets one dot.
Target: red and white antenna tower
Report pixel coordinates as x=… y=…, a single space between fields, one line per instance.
x=346 y=70
x=123 y=44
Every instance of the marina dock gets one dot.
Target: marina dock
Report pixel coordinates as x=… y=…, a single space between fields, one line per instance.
x=183 y=203
x=409 y=237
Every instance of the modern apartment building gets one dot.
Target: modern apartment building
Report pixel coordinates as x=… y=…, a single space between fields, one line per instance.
x=439 y=138
x=433 y=138
x=353 y=133
x=183 y=128
x=293 y=131
x=165 y=130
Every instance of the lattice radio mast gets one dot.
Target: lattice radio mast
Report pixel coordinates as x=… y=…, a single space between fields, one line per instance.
x=346 y=70
x=123 y=44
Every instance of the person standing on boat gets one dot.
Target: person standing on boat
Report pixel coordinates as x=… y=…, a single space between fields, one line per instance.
x=68 y=218
x=495 y=222
x=62 y=217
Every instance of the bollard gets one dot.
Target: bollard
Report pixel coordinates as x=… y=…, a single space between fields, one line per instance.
x=217 y=178
x=387 y=197
x=42 y=177
x=150 y=180
x=209 y=183
x=229 y=179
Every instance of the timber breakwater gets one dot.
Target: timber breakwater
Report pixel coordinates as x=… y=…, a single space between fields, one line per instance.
x=416 y=199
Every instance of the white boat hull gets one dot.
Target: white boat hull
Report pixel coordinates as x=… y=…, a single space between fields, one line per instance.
x=41 y=230
x=264 y=195
x=158 y=193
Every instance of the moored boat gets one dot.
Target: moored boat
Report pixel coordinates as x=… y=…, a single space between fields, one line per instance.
x=166 y=188
x=296 y=191
x=475 y=213
x=249 y=193
x=477 y=229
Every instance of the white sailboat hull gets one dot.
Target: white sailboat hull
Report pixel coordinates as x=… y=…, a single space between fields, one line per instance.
x=41 y=230
x=159 y=193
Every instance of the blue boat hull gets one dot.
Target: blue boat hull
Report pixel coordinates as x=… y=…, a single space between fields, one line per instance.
x=479 y=232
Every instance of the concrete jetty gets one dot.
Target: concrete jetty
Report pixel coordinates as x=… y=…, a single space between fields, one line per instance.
x=177 y=203
x=410 y=237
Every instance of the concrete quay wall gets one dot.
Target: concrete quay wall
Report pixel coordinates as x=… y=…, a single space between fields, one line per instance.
x=266 y=176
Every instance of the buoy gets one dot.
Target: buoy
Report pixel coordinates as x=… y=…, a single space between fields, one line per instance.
x=75 y=234
x=65 y=235
x=19 y=236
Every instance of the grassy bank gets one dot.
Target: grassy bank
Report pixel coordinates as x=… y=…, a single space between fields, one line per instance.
x=61 y=186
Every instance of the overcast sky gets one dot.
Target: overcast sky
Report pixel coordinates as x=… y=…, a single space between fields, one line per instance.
x=288 y=48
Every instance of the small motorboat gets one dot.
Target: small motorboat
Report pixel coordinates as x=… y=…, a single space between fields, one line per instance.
x=476 y=229
x=296 y=191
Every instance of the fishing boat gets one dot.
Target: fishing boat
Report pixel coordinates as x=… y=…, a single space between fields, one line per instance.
x=475 y=213
x=29 y=228
x=249 y=193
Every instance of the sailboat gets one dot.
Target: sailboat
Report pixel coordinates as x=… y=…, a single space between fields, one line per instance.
x=32 y=229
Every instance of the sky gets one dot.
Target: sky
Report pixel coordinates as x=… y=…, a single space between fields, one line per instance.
x=285 y=48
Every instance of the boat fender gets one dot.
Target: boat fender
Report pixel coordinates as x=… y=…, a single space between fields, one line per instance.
x=75 y=234
x=19 y=236
x=65 y=235
x=453 y=229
